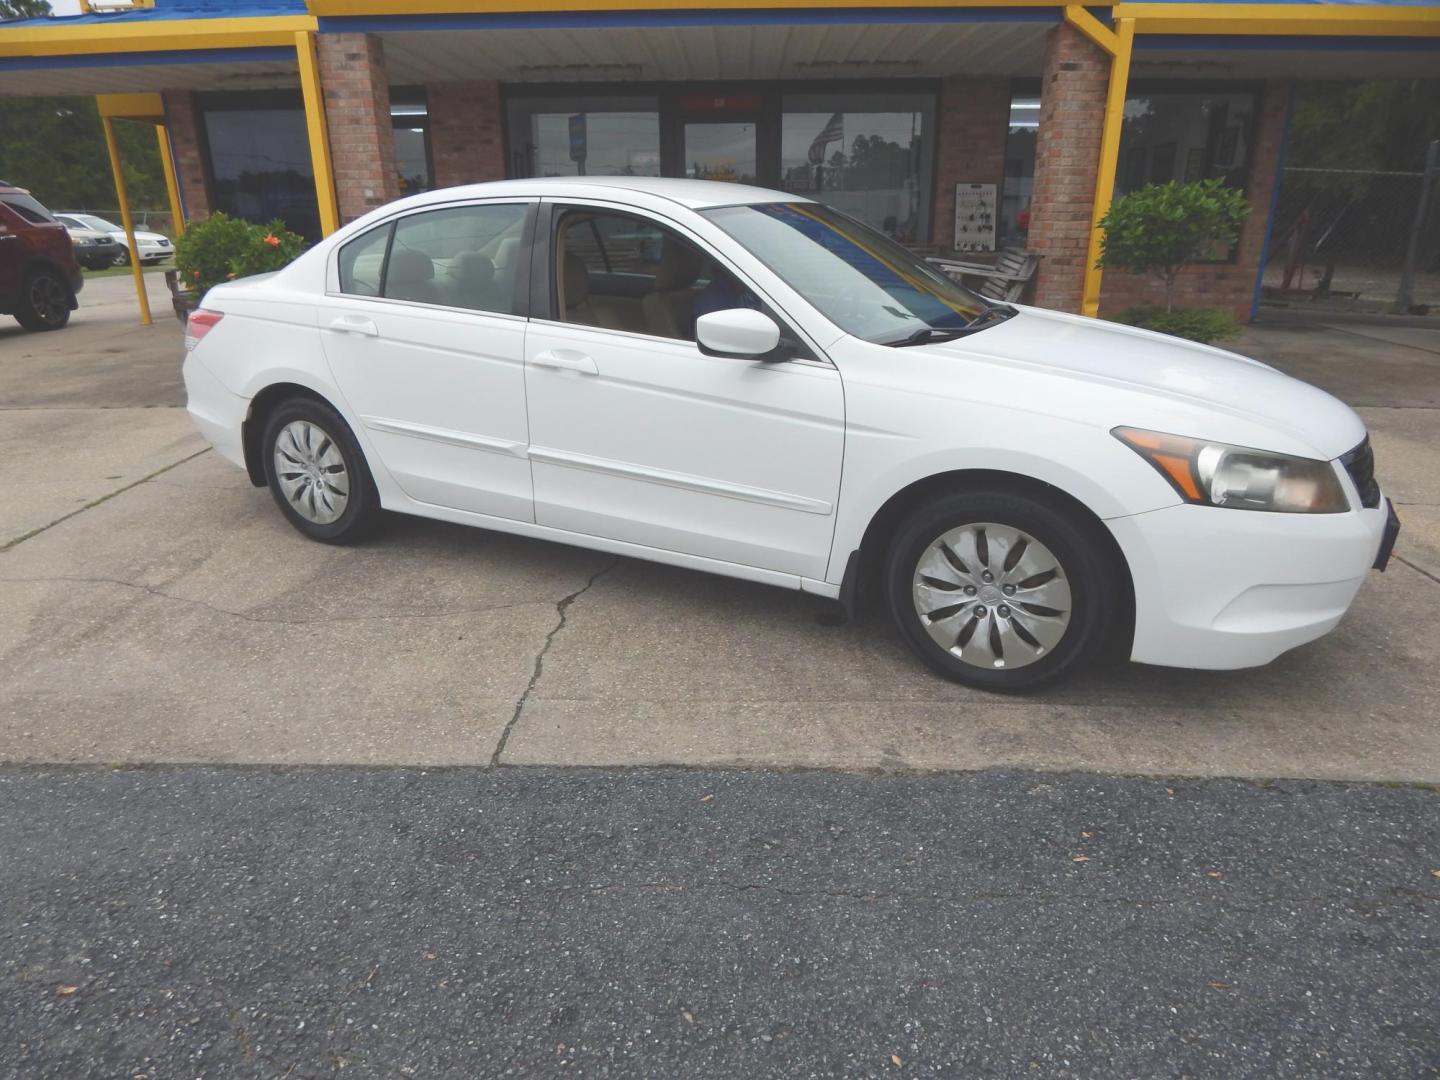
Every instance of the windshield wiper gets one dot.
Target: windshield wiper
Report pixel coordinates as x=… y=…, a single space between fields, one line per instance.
x=927 y=335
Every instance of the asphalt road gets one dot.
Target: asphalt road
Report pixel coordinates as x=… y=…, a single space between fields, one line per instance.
x=238 y=922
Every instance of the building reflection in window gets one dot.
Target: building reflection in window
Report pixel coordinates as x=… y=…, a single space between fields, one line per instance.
x=260 y=163
x=410 y=118
x=1185 y=136
x=576 y=137
x=867 y=156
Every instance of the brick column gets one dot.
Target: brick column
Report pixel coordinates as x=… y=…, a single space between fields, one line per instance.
x=1067 y=156
x=182 y=122
x=467 y=143
x=971 y=128
x=1229 y=286
x=357 y=114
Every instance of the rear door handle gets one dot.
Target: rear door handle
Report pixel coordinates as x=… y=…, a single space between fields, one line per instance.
x=566 y=360
x=355 y=324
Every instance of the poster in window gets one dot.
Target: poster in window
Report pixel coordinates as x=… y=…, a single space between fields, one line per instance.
x=975 y=217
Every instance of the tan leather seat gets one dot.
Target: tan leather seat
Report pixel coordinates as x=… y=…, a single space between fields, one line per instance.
x=669 y=308
x=575 y=298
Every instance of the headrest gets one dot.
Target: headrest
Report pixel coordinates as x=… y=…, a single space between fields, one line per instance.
x=408 y=266
x=577 y=281
x=472 y=268
x=680 y=265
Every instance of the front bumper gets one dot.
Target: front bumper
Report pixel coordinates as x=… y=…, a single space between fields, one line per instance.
x=1232 y=588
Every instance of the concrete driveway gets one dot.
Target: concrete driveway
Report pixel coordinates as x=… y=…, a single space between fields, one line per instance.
x=156 y=608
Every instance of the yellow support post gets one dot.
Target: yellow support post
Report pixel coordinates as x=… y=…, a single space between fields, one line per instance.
x=1109 y=156
x=319 y=136
x=172 y=188
x=125 y=219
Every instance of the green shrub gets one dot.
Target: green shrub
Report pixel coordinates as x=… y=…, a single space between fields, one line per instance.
x=222 y=248
x=1194 y=324
x=1163 y=228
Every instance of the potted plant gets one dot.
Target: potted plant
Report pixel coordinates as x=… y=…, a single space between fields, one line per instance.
x=1162 y=229
x=222 y=248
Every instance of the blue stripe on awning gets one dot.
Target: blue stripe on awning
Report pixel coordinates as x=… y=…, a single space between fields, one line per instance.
x=1287 y=43
x=540 y=20
x=145 y=59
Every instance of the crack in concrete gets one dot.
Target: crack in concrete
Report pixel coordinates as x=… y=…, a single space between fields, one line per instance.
x=1418 y=569
x=96 y=502
x=155 y=591
x=560 y=610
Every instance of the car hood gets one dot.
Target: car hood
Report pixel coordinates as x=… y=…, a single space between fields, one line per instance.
x=1168 y=368
x=88 y=234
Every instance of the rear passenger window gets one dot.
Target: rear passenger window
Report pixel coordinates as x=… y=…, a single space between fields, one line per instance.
x=362 y=262
x=465 y=256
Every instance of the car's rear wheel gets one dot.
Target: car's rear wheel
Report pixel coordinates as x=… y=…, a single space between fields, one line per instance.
x=45 y=300
x=317 y=473
x=1001 y=590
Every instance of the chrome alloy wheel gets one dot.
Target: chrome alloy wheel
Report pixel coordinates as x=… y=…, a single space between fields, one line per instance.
x=311 y=472
x=991 y=595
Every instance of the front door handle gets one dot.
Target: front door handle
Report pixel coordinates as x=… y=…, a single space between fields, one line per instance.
x=355 y=324
x=566 y=360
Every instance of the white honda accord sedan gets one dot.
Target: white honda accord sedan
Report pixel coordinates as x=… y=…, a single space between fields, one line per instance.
x=746 y=382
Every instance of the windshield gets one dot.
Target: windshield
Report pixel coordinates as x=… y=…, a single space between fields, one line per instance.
x=864 y=282
x=99 y=224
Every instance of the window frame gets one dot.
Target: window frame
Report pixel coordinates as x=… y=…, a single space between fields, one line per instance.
x=545 y=265
x=520 y=298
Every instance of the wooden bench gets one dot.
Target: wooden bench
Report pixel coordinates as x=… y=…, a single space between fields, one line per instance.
x=1004 y=279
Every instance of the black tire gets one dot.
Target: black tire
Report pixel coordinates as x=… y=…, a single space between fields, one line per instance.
x=1082 y=565
x=361 y=505
x=45 y=301
x=122 y=259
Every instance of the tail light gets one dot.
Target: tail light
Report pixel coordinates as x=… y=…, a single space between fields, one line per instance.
x=200 y=323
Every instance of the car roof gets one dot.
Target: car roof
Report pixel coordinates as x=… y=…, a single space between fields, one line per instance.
x=695 y=194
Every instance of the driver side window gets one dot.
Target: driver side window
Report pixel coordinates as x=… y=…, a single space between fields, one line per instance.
x=621 y=272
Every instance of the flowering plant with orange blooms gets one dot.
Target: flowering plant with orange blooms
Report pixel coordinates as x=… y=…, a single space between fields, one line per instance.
x=222 y=248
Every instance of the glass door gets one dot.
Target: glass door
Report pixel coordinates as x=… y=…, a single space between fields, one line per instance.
x=726 y=150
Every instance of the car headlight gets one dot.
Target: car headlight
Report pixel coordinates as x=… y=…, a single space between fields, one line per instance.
x=1238 y=477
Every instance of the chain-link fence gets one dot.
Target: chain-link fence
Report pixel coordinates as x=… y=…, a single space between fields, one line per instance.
x=1367 y=238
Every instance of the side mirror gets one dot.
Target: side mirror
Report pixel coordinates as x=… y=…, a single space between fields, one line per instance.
x=738 y=332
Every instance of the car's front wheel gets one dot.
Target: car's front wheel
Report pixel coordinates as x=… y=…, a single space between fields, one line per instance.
x=317 y=473
x=45 y=300
x=1001 y=590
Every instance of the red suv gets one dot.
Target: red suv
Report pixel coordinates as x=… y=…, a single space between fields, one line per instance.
x=39 y=276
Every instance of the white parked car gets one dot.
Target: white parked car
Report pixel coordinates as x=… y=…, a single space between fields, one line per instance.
x=740 y=381
x=152 y=245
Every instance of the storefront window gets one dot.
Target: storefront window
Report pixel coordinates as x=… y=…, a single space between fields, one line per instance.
x=579 y=137
x=867 y=156
x=1014 y=222
x=1185 y=136
x=409 y=116
x=260 y=159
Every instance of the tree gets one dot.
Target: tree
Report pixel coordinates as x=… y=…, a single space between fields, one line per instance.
x=56 y=148
x=23 y=9
x=1163 y=228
